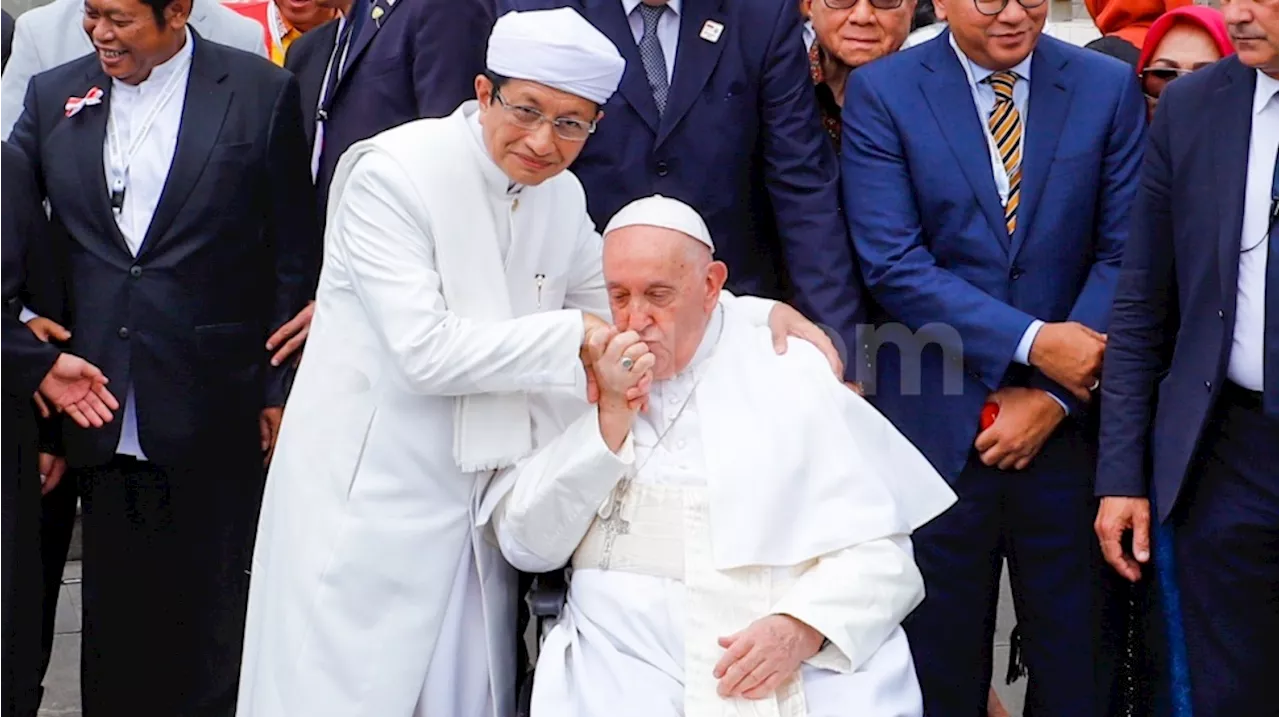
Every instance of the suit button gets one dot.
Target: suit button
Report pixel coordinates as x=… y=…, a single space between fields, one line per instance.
x=1016 y=273
x=663 y=169
x=123 y=333
x=1220 y=314
x=135 y=271
x=1208 y=385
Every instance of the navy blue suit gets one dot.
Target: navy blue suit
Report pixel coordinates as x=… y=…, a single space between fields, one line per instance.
x=740 y=141
x=419 y=59
x=1173 y=426
x=926 y=220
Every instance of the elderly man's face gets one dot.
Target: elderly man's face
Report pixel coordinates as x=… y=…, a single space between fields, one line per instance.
x=1253 y=27
x=528 y=149
x=859 y=33
x=663 y=285
x=999 y=41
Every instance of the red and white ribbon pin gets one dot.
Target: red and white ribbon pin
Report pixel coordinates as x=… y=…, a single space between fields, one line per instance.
x=75 y=104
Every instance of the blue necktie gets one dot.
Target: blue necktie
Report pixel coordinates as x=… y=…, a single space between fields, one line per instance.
x=655 y=63
x=1271 y=330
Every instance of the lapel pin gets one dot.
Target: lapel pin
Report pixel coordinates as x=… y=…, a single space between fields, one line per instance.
x=377 y=14
x=75 y=104
x=711 y=31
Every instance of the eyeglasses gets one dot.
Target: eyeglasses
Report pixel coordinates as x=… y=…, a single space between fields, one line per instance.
x=877 y=4
x=529 y=118
x=1155 y=79
x=995 y=7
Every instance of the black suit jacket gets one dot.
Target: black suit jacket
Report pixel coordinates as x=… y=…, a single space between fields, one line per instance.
x=421 y=60
x=6 y=36
x=307 y=59
x=26 y=361
x=1174 y=317
x=231 y=253
x=26 y=358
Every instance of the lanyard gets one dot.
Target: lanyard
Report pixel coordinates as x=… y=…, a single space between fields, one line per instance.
x=120 y=162
x=332 y=72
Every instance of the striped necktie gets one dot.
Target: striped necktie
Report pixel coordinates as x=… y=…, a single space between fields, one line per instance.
x=1006 y=129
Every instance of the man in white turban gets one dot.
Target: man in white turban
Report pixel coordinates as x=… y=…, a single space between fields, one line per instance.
x=737 y=521
x=461 y=274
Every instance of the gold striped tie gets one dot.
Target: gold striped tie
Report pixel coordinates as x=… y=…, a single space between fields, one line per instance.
x=1006 y=128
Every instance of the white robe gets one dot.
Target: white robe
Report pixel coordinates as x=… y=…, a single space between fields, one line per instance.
x=620 y=645
x=371 y=594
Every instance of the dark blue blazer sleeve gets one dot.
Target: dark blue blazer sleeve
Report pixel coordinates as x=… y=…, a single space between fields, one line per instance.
x=293 y=235
x=1146 y=294
x=457 y=30
x=802 y=175
x=900 y=272
x=1121 y=166
x=26 y=358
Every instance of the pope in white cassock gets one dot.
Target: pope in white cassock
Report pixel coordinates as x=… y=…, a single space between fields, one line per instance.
x=461 y=275
x=740 y=545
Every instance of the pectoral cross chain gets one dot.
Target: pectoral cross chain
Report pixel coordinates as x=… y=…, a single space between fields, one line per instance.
x=614 y=525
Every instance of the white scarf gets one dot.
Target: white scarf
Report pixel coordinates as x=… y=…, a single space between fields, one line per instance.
x=491 y=430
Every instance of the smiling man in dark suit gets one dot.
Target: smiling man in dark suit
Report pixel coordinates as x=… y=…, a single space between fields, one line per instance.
x=174 y=167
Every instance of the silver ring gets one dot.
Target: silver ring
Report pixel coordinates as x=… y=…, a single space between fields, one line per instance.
x=1096 y=383
x=627 y=363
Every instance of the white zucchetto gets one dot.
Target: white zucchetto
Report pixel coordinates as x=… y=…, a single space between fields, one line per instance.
x=663 y=212
x=556 y=48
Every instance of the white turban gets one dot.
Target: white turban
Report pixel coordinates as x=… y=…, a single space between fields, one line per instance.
x=660 y=211
x=556 y=48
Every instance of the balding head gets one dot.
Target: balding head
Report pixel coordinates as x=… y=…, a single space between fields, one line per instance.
x=662 y=284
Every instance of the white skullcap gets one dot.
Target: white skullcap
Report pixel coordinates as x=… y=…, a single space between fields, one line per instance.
x=556 y=48
x=660 y=211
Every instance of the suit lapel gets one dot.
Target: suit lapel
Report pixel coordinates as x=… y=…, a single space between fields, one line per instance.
x=696 y=58
x=365 y=29
x=88 y=134
x=608 y=17
x=207 y=98
x=946 y=89
x=1233 y=107
x=1046 y=113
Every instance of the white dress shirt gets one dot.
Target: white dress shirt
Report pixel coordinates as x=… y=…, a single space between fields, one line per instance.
x=984 y=99
x=147 y=171
x=1244 y=366
x=668 y=29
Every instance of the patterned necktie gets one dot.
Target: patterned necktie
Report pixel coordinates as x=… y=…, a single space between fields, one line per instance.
x=1006 y=129
x=655 y=63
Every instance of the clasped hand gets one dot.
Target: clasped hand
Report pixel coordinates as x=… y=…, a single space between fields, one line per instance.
x=1070 y=354
x=620 y=365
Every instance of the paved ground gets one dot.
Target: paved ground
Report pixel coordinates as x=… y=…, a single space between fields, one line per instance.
x=62 y=683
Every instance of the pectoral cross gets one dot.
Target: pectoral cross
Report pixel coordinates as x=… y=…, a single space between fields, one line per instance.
x=613 y=524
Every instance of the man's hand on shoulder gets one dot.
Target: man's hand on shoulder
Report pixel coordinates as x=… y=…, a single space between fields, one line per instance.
x=785 y=321
x=1070 y=354
x=1026 y=419
x=760 y=658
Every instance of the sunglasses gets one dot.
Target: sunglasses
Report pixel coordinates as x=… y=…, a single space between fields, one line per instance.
x=1155 y=79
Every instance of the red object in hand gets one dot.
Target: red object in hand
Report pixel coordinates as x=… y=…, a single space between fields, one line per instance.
x=989 y=413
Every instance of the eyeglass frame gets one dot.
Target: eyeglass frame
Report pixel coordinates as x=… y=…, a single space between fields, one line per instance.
x=854 y=3
x=1180 y=72
x=540 y=118
x=1005 y=3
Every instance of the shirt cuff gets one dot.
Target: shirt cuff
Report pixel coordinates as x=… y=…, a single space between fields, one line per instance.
x=27 y=315
x=1023 y=353
x=1062 y=403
